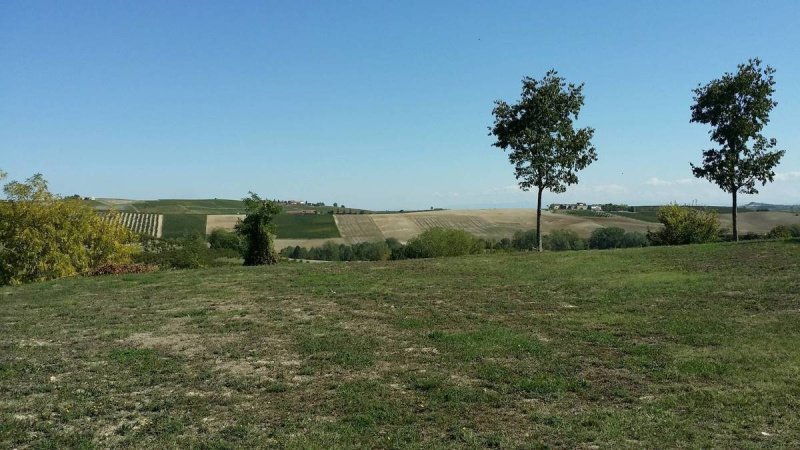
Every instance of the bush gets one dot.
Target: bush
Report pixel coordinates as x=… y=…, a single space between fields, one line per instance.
x=794 y=230
x=183 y=253
x=608 y=237
x=224 y=239
x=524 y=240
x=561 y=240
x=685 y=226
x=780 y=232
x=438 y=242
x=43 y=237
x=635 y=239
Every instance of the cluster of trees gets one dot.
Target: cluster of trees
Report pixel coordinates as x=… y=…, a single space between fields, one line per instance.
x=547 y=150
x=330 y=251
x=433 y=243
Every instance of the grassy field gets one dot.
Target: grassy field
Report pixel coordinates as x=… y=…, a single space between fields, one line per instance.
x=695 y=346
x=180 y=225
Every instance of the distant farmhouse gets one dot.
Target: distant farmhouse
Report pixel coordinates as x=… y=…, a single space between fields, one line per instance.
x=576 y=206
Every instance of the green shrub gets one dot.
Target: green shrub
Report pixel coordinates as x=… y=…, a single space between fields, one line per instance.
x=794 y=230
x=780 y=232
x=524 y=240
x=438 y=242
x=224 y=239
x=561 y=240
x=635 y=239
x=685 y=226
x=608 y=237
x=182 y=253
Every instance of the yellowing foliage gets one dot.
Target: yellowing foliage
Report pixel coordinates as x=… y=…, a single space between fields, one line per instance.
x=43 y=237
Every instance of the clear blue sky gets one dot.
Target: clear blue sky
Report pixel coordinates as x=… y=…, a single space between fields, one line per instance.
x=373 y=104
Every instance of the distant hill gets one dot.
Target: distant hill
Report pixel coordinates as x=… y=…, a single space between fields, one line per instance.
x=753 y=206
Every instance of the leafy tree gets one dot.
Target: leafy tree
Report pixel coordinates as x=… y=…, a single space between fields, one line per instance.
x=224 y=239
x=685 y=226
x=438 y=242
x=560 y=240
x=635 y=239
x=257 y=229
x=545 y=148
x=43 y=236
x=525 y=240
x=737 y=108
x=608 y=237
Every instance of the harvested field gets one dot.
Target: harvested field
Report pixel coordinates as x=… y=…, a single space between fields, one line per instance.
x=758 y=221
x=356 y=228
x=223 y=221
x=494 y=223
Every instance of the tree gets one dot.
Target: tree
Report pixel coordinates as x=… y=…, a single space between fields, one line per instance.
x=257 y=229
x=545 y=148
x=43 y=236
x=737 y=108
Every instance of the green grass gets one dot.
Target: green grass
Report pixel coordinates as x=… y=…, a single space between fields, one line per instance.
x=180 y=225
x=305 y=226
x=694 y=346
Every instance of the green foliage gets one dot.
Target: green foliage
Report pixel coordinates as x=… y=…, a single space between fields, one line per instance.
x=545 y=148
x=737 y=107
x=608 y=237
x=561 y=240
x=44 y=237
x=224 y=239
x=615 y=237
x=330 y=251
x=181 y=253
x=781 y=232
x=525 y=240
x=438 y=242
x=685 y=226
x=257 y=229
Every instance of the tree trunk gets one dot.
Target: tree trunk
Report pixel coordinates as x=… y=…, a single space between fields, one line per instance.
x=539 y=221
x=733 y=216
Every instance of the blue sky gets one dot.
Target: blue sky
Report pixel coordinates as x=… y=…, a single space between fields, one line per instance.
x=372 y=104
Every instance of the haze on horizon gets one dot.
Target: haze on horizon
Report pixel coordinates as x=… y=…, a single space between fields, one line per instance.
x=374 y=105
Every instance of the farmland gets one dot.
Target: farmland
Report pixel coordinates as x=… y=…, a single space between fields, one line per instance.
x=691 y=346
x=142 y=223
x=183 y=217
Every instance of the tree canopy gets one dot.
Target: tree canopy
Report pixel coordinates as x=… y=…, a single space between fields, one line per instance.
x=737 y=107
x=545 y=147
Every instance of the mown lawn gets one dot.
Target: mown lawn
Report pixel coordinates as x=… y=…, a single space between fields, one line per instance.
x=694 y=346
